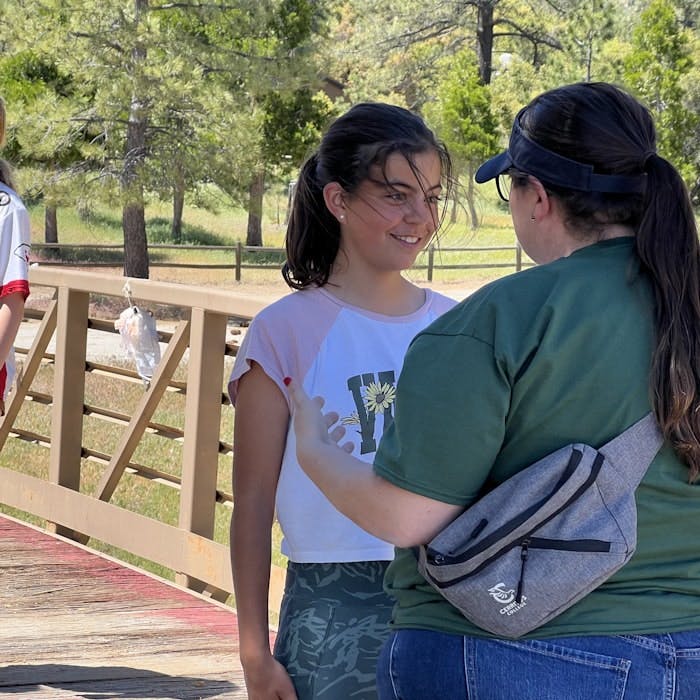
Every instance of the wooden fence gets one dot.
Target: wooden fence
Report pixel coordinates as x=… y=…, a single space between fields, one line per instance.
x=193 y=367
x=244 y=256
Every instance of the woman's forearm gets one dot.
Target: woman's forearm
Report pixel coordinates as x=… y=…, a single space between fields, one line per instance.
x=402 y=517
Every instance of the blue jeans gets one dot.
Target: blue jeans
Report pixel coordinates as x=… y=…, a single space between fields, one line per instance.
x=425 y=665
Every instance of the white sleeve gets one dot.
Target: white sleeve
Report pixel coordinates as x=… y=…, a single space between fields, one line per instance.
x=14 y=245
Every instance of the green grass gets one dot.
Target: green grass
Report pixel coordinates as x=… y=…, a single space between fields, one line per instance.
x=134 y=493
x=225 y=226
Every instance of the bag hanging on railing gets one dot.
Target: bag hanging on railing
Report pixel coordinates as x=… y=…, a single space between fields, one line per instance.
x=139 y=337
x=543 y=539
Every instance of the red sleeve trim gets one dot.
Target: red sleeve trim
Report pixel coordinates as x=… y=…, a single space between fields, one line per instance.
x=21 y=286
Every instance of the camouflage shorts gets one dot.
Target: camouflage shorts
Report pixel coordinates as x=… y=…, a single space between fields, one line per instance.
x=333 y=622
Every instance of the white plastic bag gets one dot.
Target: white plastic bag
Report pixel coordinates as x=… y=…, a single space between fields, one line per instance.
x=139 y=338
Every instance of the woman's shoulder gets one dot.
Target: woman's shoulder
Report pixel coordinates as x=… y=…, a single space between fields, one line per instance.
x=519 y=289
x=513 y=301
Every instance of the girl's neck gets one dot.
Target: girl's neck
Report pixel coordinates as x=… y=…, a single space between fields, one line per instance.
x=390 y=294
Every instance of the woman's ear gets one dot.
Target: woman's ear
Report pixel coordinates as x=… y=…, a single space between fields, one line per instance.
x=334 y=196
x=543 y=202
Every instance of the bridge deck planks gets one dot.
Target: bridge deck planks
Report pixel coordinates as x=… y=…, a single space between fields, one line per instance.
x=75 y=624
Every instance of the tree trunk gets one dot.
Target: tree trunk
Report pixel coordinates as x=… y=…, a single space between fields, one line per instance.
x=135 y=245
x=255 y=205
x=470 y=200
x=589 y=60
x=50 y=224
x=133 y=212
x=484 y=38
x=178 y=205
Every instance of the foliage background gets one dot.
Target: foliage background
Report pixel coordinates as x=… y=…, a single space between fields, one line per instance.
x=211 y=105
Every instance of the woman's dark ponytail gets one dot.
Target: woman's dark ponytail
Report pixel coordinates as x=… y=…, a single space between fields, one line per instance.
x=604 y=126
x=667 y=243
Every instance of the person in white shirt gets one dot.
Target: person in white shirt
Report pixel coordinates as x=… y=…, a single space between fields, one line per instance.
x=14 y=268
x=366 y=204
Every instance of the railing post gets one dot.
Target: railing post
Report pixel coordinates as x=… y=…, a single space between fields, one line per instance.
x=239 y=260
x=518 y=256
x=431 y=261
x=200 y=454
x=69 y=389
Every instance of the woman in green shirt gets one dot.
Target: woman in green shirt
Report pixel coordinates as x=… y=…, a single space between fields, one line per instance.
x=604 y=329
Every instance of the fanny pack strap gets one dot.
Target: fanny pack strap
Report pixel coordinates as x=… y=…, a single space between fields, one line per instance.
x=633 y=450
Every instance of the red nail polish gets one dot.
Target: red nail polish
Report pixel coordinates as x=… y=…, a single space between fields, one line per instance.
x=287 y=380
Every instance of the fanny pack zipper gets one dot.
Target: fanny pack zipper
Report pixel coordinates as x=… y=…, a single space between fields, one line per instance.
x=563 y=545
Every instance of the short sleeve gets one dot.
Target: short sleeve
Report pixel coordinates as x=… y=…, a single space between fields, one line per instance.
x=14 y=246
x=260 y=346
x=285 y=337
x=452 y=401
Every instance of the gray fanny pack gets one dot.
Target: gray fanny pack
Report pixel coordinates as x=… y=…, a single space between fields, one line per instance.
x=543 y=539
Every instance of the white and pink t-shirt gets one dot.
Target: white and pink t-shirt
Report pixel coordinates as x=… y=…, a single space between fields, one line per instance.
x=14 y=262
x=352 y=357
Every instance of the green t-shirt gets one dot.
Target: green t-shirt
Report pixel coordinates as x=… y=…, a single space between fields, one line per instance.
x=556 y=354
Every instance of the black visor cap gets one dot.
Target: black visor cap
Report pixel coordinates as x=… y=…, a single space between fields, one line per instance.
x=529 y=157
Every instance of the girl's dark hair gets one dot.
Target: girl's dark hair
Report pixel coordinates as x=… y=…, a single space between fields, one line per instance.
x=602 y=125
x=363 y=137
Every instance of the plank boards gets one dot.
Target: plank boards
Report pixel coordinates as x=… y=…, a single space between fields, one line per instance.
x=76 y=624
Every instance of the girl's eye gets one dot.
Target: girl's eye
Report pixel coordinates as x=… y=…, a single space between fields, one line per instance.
x=433 y=199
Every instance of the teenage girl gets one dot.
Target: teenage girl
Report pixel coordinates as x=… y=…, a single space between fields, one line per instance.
x=14 y=268
x=366 y=203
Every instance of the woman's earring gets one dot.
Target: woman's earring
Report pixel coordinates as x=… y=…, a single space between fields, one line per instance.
x=341 y=217
x=532 y=218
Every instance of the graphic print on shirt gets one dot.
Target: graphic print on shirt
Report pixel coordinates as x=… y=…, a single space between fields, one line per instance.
x=22 y=252
x=373 y=395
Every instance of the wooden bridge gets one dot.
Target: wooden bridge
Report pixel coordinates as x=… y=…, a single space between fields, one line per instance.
x=78 y=623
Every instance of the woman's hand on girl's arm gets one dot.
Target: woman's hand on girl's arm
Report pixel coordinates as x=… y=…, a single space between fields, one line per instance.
x=314 y=430
x=402 y=517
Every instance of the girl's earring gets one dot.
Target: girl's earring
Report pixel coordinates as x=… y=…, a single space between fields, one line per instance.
x=341 y=217
x=532 y=218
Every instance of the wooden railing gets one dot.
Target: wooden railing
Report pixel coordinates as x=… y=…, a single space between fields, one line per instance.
x=244 y=257
x=195 y=362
